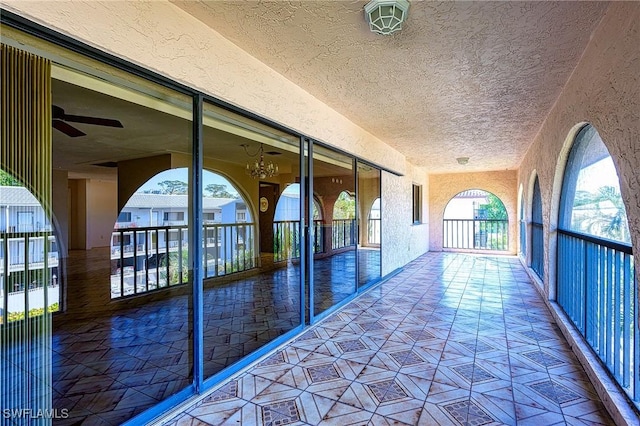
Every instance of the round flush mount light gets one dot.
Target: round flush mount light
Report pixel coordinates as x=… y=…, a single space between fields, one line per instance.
x=462 y=160
x=386 y=16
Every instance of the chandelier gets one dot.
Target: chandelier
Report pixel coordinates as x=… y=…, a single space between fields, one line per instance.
x=259 y=169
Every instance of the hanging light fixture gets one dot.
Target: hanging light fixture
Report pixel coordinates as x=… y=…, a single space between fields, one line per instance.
x=259 y=169
x=386 y=16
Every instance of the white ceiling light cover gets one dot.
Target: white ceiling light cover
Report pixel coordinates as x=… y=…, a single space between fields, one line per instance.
x=386 y=16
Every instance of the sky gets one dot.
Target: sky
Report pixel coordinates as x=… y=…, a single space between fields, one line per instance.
x=598 y=174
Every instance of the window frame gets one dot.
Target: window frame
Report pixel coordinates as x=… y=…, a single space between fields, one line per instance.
x=416 y=196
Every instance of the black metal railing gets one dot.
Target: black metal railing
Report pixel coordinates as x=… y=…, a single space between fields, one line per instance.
x=286 y=239
x=598 y=291
x=476 y=234
x=29 y=282
x=343 y=232
x=151 y=258
x=373 y=231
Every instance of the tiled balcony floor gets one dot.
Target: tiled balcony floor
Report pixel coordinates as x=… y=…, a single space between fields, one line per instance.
x=108 y=368
x=454 y=339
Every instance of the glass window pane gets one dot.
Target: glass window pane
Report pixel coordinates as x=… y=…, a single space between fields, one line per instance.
x=369 y=218
x=123 y=327
x=334 y=269
x=252 y=246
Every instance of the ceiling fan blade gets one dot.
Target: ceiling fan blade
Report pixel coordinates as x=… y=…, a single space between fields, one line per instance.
x=93 y=120
x=67 y=129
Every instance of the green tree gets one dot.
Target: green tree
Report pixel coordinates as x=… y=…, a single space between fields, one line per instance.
x=494 y=208
x=7 y=180
x=601 y=213
x=173 y=187
x=345 y=206
x=218 y=191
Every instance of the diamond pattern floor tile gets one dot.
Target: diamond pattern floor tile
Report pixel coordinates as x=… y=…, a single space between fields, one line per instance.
x=451 y=339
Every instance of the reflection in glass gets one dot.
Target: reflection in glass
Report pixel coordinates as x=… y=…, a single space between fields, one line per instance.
x=334 y=269
x=123 y=337
x=28 y=242
x=252 y=284
x=369 y=219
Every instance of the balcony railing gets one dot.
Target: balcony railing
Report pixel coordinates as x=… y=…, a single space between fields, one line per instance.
x=476 y=234
x=151 y=258
x=343 y=233
x=286 y=239
x=373 y=231
x=228 y=248
x=28 y=275
x=537 y=249
x=598 y=292
x=523 y=238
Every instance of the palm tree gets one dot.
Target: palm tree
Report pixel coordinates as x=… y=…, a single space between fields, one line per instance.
x=601 y=213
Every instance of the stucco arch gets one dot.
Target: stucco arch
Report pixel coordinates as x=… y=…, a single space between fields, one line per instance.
x=520 y=216
x=556 y=195
x=528 y=199
x=442 y=188
x=550 y=215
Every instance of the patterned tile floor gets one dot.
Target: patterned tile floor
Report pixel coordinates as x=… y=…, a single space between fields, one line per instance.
x=454 y=339
x=108 y=368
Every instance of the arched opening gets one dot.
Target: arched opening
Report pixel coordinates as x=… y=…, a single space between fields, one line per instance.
x=150 y=240
x=374 y=219
x=30 y=271
x=537 y=231
x=369 y=215
x=286 y=225
x=523 y=224
x=595 y=276
x=476 y=220
x=344 y=221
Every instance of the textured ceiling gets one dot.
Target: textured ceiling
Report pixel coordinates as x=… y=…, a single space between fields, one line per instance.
x=462 y=79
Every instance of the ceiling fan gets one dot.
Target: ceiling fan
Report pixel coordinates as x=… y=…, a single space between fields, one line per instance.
x=60 y=120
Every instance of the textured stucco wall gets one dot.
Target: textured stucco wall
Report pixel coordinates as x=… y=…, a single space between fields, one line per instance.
x=604 y=90
x=403 y=241
x=444 y=187
x=164 y=38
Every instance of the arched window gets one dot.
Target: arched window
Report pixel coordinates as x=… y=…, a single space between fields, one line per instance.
x=149 y=244
x=596 y=285
x=29 y=248
x=537 y=231
x=523 y=227
x=477 y=220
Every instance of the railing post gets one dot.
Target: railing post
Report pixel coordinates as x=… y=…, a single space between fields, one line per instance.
x=26 y=277
x=45 y=271
x=5 y=278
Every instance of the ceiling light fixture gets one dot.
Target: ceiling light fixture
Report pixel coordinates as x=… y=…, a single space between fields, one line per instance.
x=386 y=16
x=259 y=169
x=462 y=160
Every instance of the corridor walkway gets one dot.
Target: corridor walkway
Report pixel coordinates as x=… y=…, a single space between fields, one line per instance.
x=454 y=339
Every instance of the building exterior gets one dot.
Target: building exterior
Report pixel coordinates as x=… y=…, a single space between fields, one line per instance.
x=27 y=239
x=187 y=94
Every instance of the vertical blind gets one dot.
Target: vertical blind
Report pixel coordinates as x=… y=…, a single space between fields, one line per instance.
x=25 y=338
